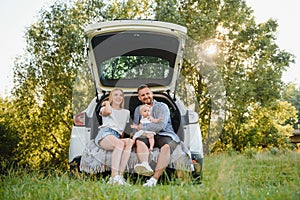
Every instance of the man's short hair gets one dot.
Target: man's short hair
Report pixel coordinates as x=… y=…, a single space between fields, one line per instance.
x=142 y=87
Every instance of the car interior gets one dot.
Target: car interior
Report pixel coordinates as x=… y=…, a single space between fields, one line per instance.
x=131 y=102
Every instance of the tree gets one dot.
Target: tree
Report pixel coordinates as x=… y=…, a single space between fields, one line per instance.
x=44 y=80
x=246 y=72
x=51 y=72
x=291 y=93
x=249 y=60
x=9 y=137
x=264 y=127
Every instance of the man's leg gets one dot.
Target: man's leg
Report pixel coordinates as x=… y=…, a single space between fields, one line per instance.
x=162 y=161
x=167 y=145
x=142 y=151
x=143 y=168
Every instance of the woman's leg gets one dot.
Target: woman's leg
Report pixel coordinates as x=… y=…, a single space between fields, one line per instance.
x=116 y=145
x=128 y=143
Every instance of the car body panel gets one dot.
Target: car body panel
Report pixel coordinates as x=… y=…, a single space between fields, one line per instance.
x=79 y=138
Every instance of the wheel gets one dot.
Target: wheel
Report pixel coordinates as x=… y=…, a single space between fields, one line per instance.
x=198 y=165
x=75 y=166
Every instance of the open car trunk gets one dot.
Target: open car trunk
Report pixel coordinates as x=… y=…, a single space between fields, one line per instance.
x=100 y=159
x=131 y=102
x=128 y=53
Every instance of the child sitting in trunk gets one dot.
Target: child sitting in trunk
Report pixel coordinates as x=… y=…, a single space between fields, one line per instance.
x=146 y=118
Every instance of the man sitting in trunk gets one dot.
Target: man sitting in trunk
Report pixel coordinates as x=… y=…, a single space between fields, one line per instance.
x=165 y=139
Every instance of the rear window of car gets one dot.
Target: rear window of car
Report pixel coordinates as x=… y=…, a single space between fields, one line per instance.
x=135 y=67
x=135 y=58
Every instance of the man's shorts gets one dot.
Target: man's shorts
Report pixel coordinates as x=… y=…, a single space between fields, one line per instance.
x=159 y=141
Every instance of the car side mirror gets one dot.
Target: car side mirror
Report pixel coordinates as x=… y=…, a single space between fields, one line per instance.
x=193 y=117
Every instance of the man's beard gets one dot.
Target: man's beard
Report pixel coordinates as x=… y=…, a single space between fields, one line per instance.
x=148 y=101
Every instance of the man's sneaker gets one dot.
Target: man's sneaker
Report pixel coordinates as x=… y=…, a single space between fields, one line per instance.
x=143 y=169
x=151 y=182
x=118 y=180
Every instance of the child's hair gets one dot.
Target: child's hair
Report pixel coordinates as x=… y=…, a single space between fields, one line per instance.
x=143 y=106
x=111 y=93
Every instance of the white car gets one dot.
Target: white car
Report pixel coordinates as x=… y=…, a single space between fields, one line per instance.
x=126 y=54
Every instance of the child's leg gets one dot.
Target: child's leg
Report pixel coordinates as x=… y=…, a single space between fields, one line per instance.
x=151 y=141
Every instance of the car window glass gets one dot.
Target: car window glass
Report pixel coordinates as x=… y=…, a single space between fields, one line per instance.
x=135 y=67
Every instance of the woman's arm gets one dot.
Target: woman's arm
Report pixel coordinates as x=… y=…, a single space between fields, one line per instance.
x=106 y=109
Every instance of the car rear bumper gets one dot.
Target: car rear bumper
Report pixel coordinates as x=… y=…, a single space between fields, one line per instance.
x=79 y=138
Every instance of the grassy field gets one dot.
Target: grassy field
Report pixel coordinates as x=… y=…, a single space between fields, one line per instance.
x=269 y=175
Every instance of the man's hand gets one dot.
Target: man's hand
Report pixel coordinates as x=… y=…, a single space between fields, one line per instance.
x=151 y=119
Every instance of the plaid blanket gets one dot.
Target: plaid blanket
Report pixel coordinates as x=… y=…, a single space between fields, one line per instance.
x=95 y=159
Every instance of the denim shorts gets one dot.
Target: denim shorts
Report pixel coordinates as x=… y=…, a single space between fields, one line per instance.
x=105 y=131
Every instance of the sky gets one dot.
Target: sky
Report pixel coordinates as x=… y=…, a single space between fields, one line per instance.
x=16 y=15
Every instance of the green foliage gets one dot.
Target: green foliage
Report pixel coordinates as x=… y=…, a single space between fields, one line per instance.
x=9 y=136
x=129 y=9
x=44 y=81
x=292 y=94
x=249 y=60
x=263 y=127
x=134 y=67
x=52 y=80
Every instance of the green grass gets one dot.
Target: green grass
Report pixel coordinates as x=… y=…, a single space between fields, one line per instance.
x=226 y=176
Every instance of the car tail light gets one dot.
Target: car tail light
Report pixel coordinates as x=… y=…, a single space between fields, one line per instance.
x=79 y=119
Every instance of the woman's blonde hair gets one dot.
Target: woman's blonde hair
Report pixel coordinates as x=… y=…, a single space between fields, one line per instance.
x=110 y=96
